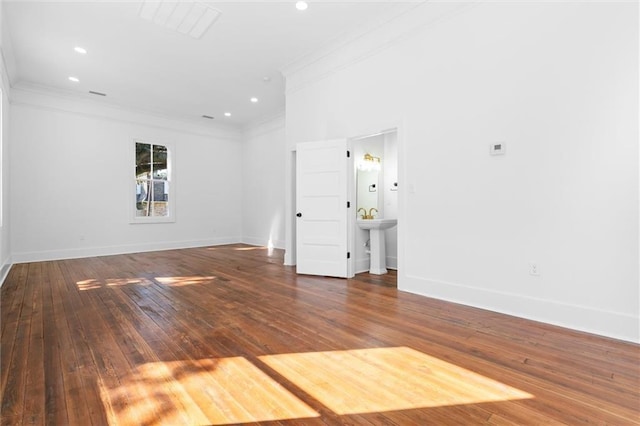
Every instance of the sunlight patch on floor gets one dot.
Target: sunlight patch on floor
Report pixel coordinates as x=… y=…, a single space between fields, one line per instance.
x=208 y=391
x=182 y=281
x=92 y=284
x=387 y=379
x=88 y=284
x=250 y=248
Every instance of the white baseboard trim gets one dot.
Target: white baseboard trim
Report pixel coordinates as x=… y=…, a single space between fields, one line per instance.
x=113 y=250
x=4 y=270
x=361 y=265
x=262 y=242
x=392 y=262
x=288 y=258
x=610 y=324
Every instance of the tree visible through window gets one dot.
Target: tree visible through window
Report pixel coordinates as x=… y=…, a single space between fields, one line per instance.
x=152 y=180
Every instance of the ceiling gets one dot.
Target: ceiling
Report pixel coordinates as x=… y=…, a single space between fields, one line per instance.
x=142 y=65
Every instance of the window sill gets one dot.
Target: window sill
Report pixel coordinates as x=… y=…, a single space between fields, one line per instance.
x=143 y=220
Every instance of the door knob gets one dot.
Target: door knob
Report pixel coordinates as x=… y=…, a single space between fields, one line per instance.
x=299 y=214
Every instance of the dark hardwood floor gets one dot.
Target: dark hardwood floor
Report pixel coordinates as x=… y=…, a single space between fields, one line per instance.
x=227 y=335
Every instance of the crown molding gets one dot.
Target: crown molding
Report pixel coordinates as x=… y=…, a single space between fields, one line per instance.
x=267 y=124
x=370 y=40
x=7 y=58
x=346 y=39
x=4 y=77
x=4 y=73
x=41 y=97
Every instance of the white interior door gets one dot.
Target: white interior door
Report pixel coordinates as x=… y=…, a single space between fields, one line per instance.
x=321 y=204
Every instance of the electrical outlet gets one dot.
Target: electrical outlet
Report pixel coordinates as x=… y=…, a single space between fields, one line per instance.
x=534 y=269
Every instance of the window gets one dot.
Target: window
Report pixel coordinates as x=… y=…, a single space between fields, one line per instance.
x=154 y=200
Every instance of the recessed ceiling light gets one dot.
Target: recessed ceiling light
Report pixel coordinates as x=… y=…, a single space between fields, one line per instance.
x=81 y=50
x=302 y=5
x=254 y=100
x=74 y=79
x=227 y=114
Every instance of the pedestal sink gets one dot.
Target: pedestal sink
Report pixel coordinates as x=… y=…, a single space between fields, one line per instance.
x=376 y=227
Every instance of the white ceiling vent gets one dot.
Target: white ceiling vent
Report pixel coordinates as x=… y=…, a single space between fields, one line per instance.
x=192 y=18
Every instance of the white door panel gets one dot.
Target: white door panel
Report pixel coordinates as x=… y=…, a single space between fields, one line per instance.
x=321 y=201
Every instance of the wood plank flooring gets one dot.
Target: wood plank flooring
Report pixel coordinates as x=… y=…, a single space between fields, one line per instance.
x=227 y=335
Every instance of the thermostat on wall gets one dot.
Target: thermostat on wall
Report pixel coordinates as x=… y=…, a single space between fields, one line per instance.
x=497 y=148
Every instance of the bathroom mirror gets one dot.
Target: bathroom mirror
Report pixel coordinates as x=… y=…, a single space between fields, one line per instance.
x=368 y=191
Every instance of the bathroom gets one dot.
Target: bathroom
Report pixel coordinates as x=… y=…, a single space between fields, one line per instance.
x=376 y=181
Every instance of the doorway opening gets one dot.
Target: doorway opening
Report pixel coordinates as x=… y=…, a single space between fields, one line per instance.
x=375 y=191
x=326 y=234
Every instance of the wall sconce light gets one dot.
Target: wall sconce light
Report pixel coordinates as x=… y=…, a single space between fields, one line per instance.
x=369 y=163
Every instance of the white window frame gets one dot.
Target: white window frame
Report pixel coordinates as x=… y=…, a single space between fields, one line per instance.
x=171 y=179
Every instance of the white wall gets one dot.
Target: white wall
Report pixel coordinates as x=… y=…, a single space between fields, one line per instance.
x=5 y=247
x=558 y=82
x=5 y=220
x=263 y=165
x=71 y=175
